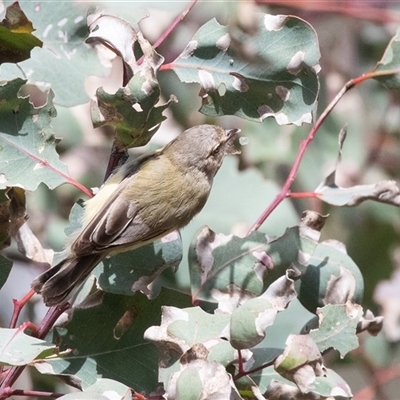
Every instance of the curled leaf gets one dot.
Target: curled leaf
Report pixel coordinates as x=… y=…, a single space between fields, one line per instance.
x=249 y=322
x=120 y=37
x=383 y=192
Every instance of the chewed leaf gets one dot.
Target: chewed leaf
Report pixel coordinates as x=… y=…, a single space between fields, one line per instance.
x=183 y=330
x=384 y=192
x=231 y=270
x=331 y=386
x=330 y=277
x=119 y=36
x=122 y=321
x=61 y=26
x=301 y=361
x=337 y=327
x=179 y=331
x=16 y=39
x=27 y=141
x=249 y=321
x=269 y=73
x=135 y=270
x=388 y=68
x=132 y=110
x=202 y=379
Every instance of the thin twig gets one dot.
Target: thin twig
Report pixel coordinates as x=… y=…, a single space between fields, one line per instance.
x=18 y=305
x=285 y=192
x=365 y=12
x=174 y=24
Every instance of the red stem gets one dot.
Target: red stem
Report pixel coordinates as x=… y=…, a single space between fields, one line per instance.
x=376 y=14
x=302 y=149
x=18 y=305
x=285 y=192
x=302 y=195
x=175 y=23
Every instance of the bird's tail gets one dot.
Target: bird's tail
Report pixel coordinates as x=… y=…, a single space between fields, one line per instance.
x=57 y=283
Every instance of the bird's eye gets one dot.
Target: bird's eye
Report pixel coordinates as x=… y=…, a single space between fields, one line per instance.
x=215 y=151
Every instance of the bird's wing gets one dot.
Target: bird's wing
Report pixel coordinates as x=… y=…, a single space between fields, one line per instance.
x=117 y=223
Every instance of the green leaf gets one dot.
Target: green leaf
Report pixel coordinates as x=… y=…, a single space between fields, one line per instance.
x=128 y=272
x=331 y=277
x=5 y=269
x=330 y=385
x=106 y=341
x=337 y=327
x=301 y=362
x=27 y=141
x=387 y=70
x=16 y=39
x=103 y=389
x=202 y=379
x=17 y=348
x=65 y=61
x=270 y=72
x=249 y=321
x=181 y=329
x=229 y=269
x=132 y=110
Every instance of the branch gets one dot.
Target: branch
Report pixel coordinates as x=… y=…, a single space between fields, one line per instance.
x=365 y=12
x=285 y=192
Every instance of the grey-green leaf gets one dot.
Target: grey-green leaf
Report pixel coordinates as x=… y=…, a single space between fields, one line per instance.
x=271 y=72
x=387 y=70
x=17 y=348
x=27 y=142
x=65 y=61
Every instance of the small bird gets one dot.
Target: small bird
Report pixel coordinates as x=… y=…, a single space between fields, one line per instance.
x=142 y=201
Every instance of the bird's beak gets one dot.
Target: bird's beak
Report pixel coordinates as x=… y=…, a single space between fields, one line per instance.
x=231 y=135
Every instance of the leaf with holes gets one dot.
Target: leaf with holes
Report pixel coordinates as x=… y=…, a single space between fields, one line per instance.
x=27 y=141
x=271 y=72
x=62 y=28
x=230 y=270
x=337 y=327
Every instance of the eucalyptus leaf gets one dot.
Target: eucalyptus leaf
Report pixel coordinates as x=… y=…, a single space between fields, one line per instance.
x=27 y=141
x=271 y=72
x=17 y=348
x=330 y=277
x=16 y=39
x=131 y=110
x=64 y=61
x=387 y=70
x=230 y=270
x=5 y=269
x=110 y=333
x=337 y=327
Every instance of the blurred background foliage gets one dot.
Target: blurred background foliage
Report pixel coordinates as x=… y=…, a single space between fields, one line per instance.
x=350 y=43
